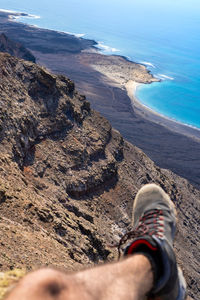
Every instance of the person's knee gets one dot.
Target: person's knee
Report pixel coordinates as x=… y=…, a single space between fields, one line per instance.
x=42 y=284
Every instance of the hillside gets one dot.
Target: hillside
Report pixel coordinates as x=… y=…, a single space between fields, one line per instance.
x=68 y=180
x=15 y=48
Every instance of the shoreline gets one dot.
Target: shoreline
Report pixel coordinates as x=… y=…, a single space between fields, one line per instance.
x=131 y=87
x=124 y=78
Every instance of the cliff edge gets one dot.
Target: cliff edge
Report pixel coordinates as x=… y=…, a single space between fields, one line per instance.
x=15 y=48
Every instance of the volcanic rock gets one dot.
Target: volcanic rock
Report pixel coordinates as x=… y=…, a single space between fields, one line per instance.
x=15 y=48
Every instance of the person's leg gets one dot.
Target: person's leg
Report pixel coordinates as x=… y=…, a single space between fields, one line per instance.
x=129 y=279
x=150 y=266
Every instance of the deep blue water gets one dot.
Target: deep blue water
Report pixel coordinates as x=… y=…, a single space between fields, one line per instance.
x=165 y=34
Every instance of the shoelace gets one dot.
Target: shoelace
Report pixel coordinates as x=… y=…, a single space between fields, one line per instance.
x=148 y=225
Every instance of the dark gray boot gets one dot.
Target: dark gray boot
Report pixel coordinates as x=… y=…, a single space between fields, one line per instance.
x=154 y=225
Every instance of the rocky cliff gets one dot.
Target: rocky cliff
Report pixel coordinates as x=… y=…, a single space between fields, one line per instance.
x=68 y=180
x=15 y=48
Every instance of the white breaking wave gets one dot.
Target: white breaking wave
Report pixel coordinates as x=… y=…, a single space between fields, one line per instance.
x=146 y=63
x=30 y=16
x=106 y=48
x=162 y=76
x=79 y=35
x=8 y=11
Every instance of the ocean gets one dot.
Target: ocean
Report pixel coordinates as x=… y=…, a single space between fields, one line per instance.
x=163 y=35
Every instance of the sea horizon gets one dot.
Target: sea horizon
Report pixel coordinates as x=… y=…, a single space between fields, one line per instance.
x=176 y=96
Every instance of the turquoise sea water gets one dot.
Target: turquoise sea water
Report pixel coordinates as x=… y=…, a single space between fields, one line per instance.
x=164 y=35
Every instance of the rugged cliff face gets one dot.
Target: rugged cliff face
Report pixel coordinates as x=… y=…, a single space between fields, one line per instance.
x=68 y=180
x=14 y=48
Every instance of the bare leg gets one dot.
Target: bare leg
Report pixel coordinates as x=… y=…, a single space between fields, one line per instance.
x=130 y=279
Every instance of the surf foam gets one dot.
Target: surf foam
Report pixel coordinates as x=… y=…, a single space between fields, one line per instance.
x=106 y=48
x=163 y=76
x=146 y=63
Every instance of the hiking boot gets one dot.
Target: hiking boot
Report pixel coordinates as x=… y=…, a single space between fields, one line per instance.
x=154 y=223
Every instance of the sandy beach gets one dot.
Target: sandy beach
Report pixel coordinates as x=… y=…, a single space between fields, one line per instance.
x=129 y=75
x=131 y=87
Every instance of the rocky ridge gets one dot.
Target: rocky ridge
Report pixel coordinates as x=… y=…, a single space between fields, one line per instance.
x=68 y=179
x=15 y=48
